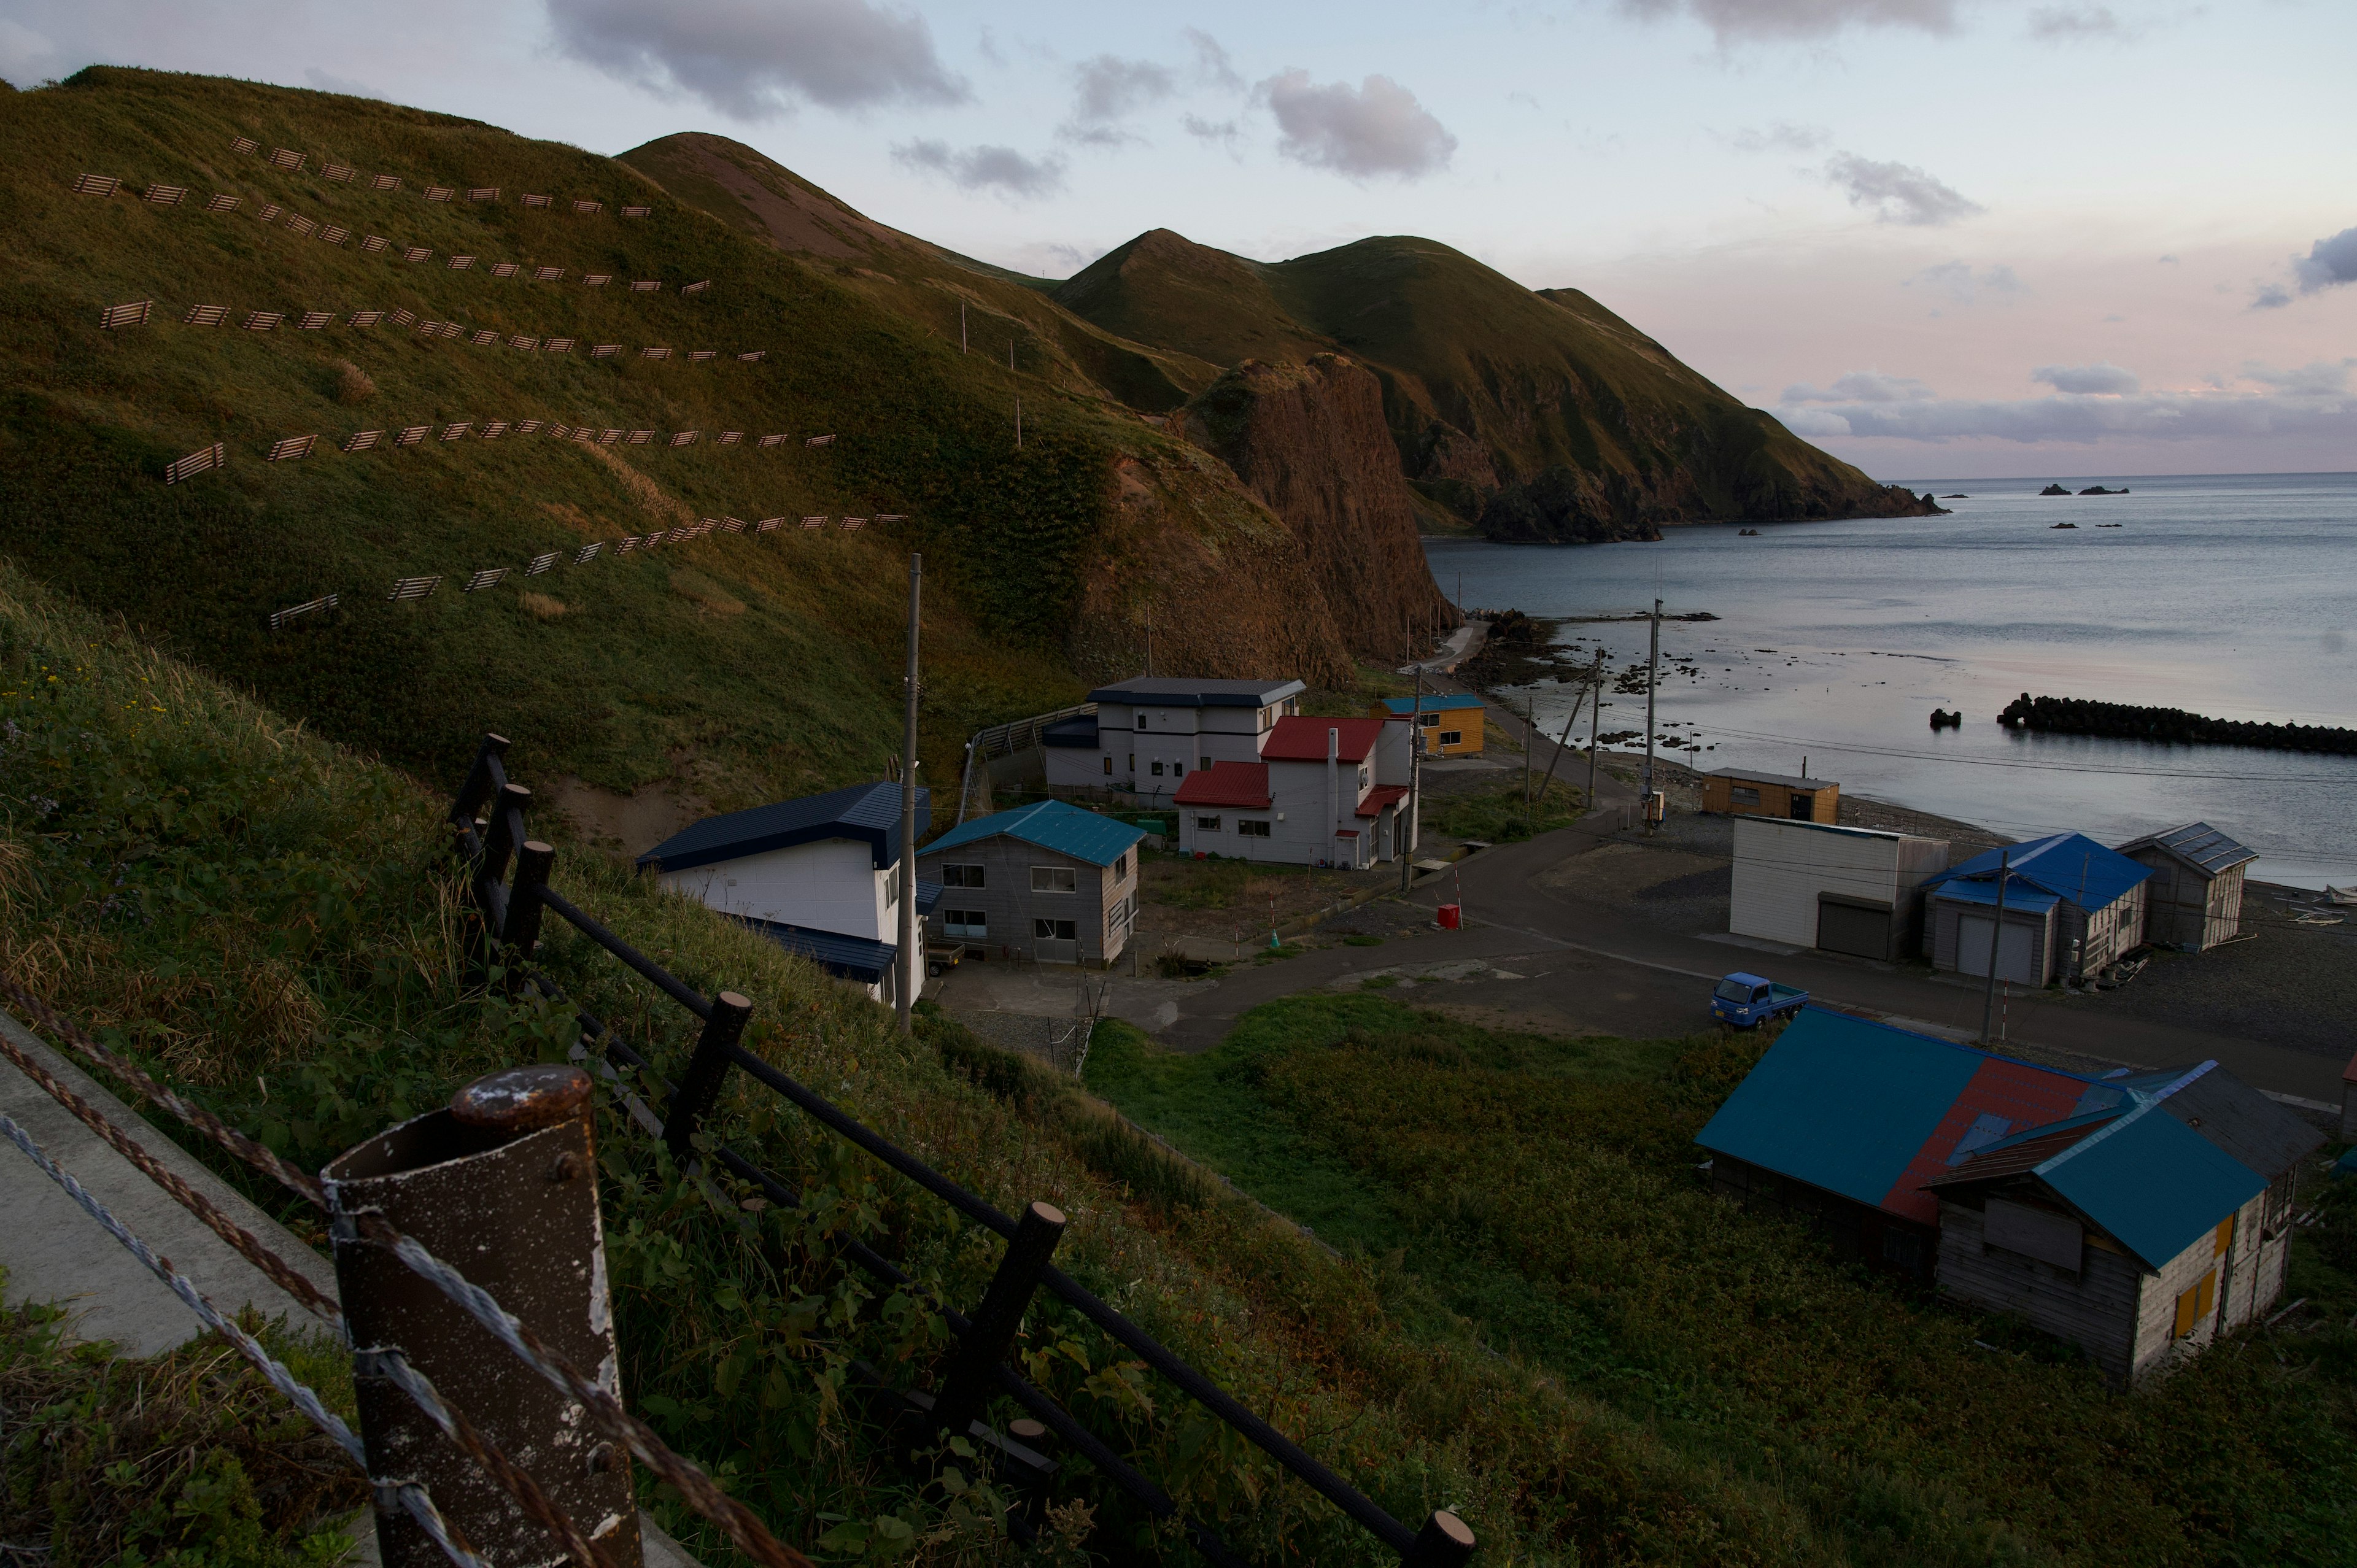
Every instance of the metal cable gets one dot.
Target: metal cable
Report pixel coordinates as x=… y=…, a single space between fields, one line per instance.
x=409 y=1496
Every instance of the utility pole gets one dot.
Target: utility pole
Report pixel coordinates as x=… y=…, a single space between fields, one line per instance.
x=962 y=343
x=1530 y=743
x=1010 y=353
x=910 y=971
x=1595 y=722
x=1018 y=423
x=1415 y=778
x=1149 y=640
x=1996 y=931
x=1652 y=680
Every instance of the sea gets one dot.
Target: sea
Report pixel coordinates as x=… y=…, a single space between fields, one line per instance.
x=2232 y=596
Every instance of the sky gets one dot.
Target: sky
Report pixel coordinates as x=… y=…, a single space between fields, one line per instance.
x=1938 y=238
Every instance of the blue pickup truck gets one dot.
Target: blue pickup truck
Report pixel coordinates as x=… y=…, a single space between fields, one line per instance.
x=1747 y=1000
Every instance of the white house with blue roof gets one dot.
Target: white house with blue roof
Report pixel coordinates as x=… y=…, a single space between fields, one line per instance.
x=2072 y=907
x=818 y=875
x=1049 y=882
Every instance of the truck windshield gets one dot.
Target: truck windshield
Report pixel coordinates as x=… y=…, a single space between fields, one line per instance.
x=1733 y=991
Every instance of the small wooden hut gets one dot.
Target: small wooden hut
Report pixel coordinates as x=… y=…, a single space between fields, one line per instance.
x=2194 y=900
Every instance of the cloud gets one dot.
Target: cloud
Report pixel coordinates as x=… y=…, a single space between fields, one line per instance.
x=2169 y=261
x=1000 y=169
x=1376 y=128
x=1960 y=283
x=1108 y=89
x=1898 y=193
x=2321 y=378
x=2102 y=380
x=2328 y=263
x=1860 y=386
x=2269 y=297
x=753 y=60
x=1782 y=137
x=319 y=79
x=1228 y=133
x=24 y=52
x=2081 y=419
x=1751 y=21
x=1212 y=66
x=2078 y=24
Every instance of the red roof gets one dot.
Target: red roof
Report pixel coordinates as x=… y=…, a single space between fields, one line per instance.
x=2020 y=1095
x=1303 y=740
x=1226 y=784
x=1389 y=795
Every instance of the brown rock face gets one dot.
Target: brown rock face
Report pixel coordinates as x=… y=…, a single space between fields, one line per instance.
x=1310 y=441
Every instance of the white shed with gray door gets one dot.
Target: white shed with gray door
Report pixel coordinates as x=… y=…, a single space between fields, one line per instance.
x=1848 y=890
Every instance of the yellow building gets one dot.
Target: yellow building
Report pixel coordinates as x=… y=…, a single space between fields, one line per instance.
x=1451 y=721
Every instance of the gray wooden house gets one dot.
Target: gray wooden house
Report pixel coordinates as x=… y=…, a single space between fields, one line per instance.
x=2195 y=897
x=2071 y=908
x=1049 y=882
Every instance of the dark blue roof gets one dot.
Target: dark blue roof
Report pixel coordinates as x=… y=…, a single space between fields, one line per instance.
x=1079 y=732
x=2071 y=866
x=870 y=813
x=1164 y=692
x=1051 y=825
x=850 y=957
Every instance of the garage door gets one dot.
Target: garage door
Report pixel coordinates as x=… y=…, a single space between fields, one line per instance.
x=1853 y=930
x=2013 y=954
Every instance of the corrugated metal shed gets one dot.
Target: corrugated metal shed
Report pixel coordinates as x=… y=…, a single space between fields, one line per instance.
x=869 y=813
x=1051 y=825
x=2199 y=845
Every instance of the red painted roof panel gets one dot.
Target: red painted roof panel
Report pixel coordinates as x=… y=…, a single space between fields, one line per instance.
x=1303 y=740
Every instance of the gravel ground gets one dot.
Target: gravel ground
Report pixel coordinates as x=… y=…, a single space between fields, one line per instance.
x=2287 y=985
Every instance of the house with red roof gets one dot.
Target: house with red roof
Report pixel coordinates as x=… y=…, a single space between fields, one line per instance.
x=1323 y=792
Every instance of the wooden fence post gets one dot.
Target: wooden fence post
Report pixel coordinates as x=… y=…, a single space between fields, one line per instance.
x=521 y=933
x=699 y=1086
x=505 y=832
x=987 y=1336
x=478 y=778
x=1445 y=1541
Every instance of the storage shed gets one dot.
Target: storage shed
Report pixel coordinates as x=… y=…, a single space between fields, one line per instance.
x=1847 y=890
x=2060 y=890
x=1450 y=722
x=2195 y=898
x=1731 y=791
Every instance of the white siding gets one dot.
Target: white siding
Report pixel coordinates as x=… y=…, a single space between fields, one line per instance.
x=831 y=886
x=1782 y=867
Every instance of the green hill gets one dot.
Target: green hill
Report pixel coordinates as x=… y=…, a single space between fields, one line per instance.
x=726 y=669
x=1541 y=414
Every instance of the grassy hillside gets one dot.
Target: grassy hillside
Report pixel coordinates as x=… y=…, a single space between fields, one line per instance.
x=732 y=667
x=1489 y=387
x=1543 y=1189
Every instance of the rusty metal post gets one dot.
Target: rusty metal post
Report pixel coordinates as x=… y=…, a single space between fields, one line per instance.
x=699 y=1086
x=987 y=1336
x=1445 y=1541
x=500 y=1184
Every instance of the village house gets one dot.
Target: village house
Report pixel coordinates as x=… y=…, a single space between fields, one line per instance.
x=2136 y=1217
x=1324 y=792
x=818 y=877
x=1734 y=792
x=2195 y=898
x=1451 y=721
x=1150 y=733
x=1049 y=882
x=2073 y=908
x=1847 y=890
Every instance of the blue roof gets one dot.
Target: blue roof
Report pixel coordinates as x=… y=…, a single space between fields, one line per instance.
x=2071 y=866
x=2018 y=894
x=849 y=957
x=1433 y=702
x=1051 y=825
x=870 y=813
x=1886 y=1090
x=2152 y=1181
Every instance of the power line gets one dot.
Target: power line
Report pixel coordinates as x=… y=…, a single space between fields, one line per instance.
x=1822 y=743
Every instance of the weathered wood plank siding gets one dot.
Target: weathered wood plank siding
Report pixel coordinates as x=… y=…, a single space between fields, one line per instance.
x=2096 y=1308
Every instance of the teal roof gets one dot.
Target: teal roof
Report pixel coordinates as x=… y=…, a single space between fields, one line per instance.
x=1434 y=702
x=1885 y=1089
x=1051 y=825
x=2152 y=1181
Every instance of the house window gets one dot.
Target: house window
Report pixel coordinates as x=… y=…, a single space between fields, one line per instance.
x=962 y=876
x=1744 y=795
x=1053 y=880
x=1901 y=1248
x=1108 y=762
x=1251 y=829
x=1452 y=737
x=968 y=923
x=1054 y=931
x=1132 y=762
x=1363 y=778
x=1141 y=721
x=2194 y=1305
x=1207 y=824
x=1178 y=769
x=1157 y=770
x=1428 y=719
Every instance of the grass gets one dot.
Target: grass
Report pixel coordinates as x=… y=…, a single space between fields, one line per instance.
x=1497 y=815
x=186 y=1459
x=1539 y=1191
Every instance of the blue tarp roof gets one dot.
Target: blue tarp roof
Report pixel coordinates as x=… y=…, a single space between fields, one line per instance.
x=1886 y=1090
x=2151 y=1181
x=2018 y=894
x=870 y=813
x=1433 y=702
x=2070 y=865
x=1051 y=825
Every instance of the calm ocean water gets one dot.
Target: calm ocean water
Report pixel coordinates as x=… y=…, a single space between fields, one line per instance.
x=2233 y=595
